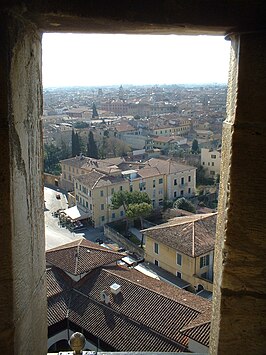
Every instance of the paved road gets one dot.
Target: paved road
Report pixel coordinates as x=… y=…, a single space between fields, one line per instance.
x=54 y=234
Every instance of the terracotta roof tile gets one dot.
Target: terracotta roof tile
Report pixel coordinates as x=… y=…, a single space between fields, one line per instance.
x=168 y=166
x=147 y=315
x=81 y=256
x=57 y=281
x=191 y=235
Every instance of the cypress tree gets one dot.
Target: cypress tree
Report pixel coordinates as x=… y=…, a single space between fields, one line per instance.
x=94 y=111
x=92 y=150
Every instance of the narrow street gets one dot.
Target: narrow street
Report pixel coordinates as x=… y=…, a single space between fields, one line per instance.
x=54 y=234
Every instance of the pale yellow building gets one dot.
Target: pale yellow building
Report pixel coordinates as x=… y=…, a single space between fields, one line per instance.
x=168 y=131
x=211 y=161
x=179 y=179
x=184 y=247
x=95 y=181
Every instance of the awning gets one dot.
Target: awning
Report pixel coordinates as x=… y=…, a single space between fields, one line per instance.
x=76 y=214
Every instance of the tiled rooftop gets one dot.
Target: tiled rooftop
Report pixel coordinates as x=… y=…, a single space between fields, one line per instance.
x=168 y=166
x=147 y=315
x=191 y=235
x=81 y=256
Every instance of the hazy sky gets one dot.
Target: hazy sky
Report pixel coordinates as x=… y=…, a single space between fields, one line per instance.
x=98 y=60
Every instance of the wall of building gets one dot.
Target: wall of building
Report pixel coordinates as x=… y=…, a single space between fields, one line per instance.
x=211 y=161
x=167 y=258
x=175 y=189
x=23 y=327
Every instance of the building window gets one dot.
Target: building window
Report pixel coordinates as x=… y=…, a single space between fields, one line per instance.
x=101 y=193
x=189 y=178
x=204 y=261
x=178 y=259
x=213 y=156
x=121 y=213
x=102 y=218
x=212 y=172
x=121 y=188
x=156 y=248
x=179 y=275
x=175 y=182
x=160 y=181
x=102 y=206
x=156 y=262
x=212 y=163
x=189 y=190
x=112 y=191
x=204 y=275
x=203 y=163
x=87 y=205
x=113 y=215
x=153 y=183
x=90 y=206
x=175 y=194
x=182 y=193
x=182 y=181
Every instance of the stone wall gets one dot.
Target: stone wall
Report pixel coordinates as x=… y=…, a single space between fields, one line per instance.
x=52 y=180
x=23 y=326
x=122 y=241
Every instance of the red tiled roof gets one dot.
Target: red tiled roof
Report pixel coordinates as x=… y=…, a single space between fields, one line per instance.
x=81 y=256
x=58 y=307
x=144 y=307
x=191 y=235
x=147 y=315
x=57 y=281
x=168 y=166
x=199 y=328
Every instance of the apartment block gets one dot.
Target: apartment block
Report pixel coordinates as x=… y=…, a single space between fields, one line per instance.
x=95 y=181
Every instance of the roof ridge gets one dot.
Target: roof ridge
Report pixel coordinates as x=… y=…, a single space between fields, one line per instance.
x=102 y=249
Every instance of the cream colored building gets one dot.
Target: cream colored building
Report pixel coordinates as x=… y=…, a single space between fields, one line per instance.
x=172 y=130
x=95 y=181
x=179 y=179
x=211 y=161
x=184 y=247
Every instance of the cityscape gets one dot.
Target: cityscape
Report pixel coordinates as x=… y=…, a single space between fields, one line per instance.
x=131 y=190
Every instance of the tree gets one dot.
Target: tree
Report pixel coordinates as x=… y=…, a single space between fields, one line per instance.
x=65 y=152
x=52 y=156
x=139 y=210
x=184 y=204
x=136 y=204
x=117 y=147
x=92 y=150
x=75 y=144
x=94 y=111
x=201 y=178
x=195 y=147
x=81 y=124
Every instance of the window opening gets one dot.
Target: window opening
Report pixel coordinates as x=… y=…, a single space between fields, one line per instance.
x=114 y=123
